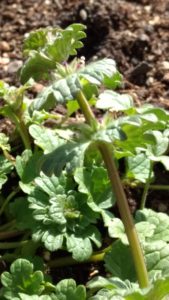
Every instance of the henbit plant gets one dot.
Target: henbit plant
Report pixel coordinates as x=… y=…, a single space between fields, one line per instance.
x=69 y=178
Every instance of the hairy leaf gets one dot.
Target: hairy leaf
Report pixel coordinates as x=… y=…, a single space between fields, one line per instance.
x=95 y=184
x=67 y=289
x=110 y=99
x=47 y=47
x=21 y=279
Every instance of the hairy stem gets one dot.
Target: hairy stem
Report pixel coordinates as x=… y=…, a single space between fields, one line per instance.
x=122 y=203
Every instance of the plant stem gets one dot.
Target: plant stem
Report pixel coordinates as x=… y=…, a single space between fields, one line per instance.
x=125 y=214
x=8 y=199
x=85 y=107
x=146 y=188
x=159 y=187
x=21 y=128
x=69 y=261
x=12 y=245
x=120 y=196
x=9 y=234
x=8 y=225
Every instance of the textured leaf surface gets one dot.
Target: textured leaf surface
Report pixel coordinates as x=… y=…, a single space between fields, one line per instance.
x=95 y=184
x=62 y=214
x=110 y=99
x=66 y=89
x=21 y=278
x=47 y=47
x=138 y=167
x=67 y=289
x=5 y=168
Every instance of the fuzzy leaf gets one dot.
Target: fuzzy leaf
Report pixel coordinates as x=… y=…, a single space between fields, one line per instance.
x=5 y=168
x=62 y=214
x=95 y=184
x=138 y=167
x=159 y=220
x=21 y=278
x=67 y=289
x=46 y=47
x=4 y=145
x=66 y=89
x=110 y=99
x=119 y=262
x=80 y=247
x=27 y=165
x=69 y=154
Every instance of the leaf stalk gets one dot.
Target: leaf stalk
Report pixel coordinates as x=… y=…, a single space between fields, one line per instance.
x=118 y=190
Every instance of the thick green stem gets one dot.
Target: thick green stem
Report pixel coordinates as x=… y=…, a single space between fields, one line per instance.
x=120 y=196
x=125 y=215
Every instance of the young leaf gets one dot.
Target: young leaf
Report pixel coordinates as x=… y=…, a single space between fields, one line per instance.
x=66 y=89
x=47 y=47
x=95 y=184
x=138 y=167
x=21 y=279
x=110 y=99
x=67 y=289
x=5 y=168
x=62 y=214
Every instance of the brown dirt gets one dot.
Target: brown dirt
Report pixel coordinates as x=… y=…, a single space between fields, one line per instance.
x=134 y=33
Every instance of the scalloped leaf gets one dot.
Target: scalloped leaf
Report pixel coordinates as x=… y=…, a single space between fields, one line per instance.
x=47 y=47
x=95 y=184
x=22 y=278
x=67 y=289
x=66 y=89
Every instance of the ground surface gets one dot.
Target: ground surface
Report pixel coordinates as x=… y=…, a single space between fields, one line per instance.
x=134 y=33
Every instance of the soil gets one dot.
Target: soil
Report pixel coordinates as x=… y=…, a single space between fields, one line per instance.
x=135 y=33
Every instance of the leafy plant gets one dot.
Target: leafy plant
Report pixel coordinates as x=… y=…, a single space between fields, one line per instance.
x=65 y=177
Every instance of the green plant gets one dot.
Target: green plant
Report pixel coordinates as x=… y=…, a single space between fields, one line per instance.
x=67 y=179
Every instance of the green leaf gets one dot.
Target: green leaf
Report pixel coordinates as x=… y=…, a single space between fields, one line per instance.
x=45 y=138
x=110 y=99
x=159 y=220
x=119 y=262
x=66 y=89
x=161 y=142
x=4 y=145
x=138 y=167
x=67 y=289
x=20 y=210
x=5 y=168
x=33 y=297
x=95 y=184
x=27 y=165
x=62 y=214
x=37 y=67
x=80 y=247
x=69 y=155
x=21 y=279
x=47 y=47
